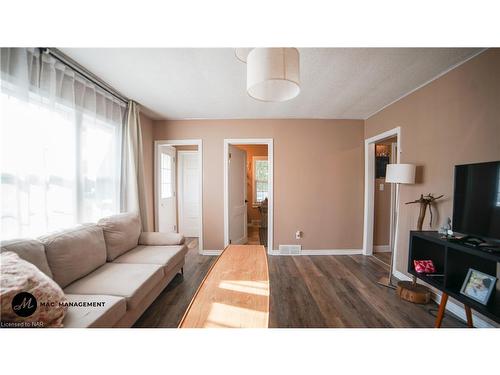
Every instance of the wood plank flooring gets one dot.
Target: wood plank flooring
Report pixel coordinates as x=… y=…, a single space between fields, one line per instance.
x=307 y=291
x=235 y=293
x=384 y=257
x=168 y=309
x=253 y=236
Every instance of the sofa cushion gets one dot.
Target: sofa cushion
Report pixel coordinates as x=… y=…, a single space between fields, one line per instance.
x=74 y=253
x=121 y=233
x=131 y=281
x=87 y=311
x=161 y=255
x=18 y=276
x=31 y=251
x=160 y=239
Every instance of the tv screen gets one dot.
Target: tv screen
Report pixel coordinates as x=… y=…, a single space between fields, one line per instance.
x=476 y=201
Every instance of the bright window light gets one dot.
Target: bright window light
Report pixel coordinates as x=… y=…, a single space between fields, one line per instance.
x=58 y=167
x=260 y=179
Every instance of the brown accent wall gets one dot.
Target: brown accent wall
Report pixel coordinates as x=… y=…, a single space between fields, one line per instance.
x=453 y=120
x=148 y=150
x=252 y=150
x=318 y=177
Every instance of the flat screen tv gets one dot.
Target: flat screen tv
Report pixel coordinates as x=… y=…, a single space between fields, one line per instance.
x=476 y=200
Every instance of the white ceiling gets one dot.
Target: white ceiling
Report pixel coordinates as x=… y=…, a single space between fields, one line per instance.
x=210 y=83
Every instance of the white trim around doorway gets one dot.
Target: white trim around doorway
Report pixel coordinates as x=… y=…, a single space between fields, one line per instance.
x=180 y=142
x=270 y=210
x=370 y=189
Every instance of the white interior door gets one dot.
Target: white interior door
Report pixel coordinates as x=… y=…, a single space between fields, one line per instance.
x=189 y=193
x=167 y=210
x=237 y=177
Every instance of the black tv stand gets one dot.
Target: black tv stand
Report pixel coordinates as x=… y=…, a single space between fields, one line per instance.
x=452 y=260
x=476 y=242
x=469 y=240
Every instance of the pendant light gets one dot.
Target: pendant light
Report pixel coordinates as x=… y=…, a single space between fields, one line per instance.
x=242 y=53
x=273 y=74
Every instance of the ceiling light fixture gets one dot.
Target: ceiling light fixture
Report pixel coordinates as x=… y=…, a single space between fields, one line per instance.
x=242 y=53
x=273 y=74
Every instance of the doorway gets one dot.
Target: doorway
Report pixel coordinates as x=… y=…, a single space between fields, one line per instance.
x=178 y=189
x=384 y=195
x=248 y=192
x=369 y=199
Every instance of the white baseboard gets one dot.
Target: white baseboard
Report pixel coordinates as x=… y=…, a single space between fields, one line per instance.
x=382 y=249
x=451 y=306
x=322 y=252
x=332 y=252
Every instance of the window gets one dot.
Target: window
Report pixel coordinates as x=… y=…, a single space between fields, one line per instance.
x=60 y=145
x=166 y=176
x=59 y=167
x=260 y=175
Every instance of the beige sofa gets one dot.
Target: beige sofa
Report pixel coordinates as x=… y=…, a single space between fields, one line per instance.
x=110 y=263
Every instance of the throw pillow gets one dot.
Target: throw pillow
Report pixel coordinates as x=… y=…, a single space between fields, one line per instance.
x=28 y=297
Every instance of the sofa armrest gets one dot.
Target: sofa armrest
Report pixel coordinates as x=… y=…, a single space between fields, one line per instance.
x=160 y=239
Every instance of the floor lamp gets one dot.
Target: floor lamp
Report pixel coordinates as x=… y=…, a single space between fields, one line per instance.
x=396 y=174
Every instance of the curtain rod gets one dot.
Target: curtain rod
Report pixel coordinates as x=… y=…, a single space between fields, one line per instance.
x=60 y=56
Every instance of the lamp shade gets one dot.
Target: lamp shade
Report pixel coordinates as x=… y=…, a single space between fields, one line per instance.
x=400 y=173
x=242 y=53
x=273 y=74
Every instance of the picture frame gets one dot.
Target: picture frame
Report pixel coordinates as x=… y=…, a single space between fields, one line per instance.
x=478 y=286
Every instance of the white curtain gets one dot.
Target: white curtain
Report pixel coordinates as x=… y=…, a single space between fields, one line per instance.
x=60 y=138
x=133 y=197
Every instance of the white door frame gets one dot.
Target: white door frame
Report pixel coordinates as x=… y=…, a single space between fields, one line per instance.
x=270 y=195
x=180 y=142
x=370 y=189
x=392 y=218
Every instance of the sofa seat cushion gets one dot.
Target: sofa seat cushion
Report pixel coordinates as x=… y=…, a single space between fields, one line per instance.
x=131 y=281
x=121 y=233
x=94 y=311
x=161 y=255
x=74 y=253
x=31 y=251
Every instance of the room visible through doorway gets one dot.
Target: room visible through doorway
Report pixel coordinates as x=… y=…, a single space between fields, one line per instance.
x=384 y=196
x=248 y=177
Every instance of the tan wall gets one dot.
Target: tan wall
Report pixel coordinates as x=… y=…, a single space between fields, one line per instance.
x=252 y=150
x=148 y=150
x=453 y=120
x=318 y=177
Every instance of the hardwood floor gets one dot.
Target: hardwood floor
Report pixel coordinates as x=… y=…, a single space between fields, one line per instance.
x=384 y=257
x=235 y=294
x=167 y=310
x=253 y=236
x=307 y=291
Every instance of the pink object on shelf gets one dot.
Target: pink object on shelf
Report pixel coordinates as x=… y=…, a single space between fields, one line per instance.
x=424 y=266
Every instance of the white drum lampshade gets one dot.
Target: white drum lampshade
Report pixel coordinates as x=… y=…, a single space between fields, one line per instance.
x=400 y=173
x=242 y=53
x=273 y=74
